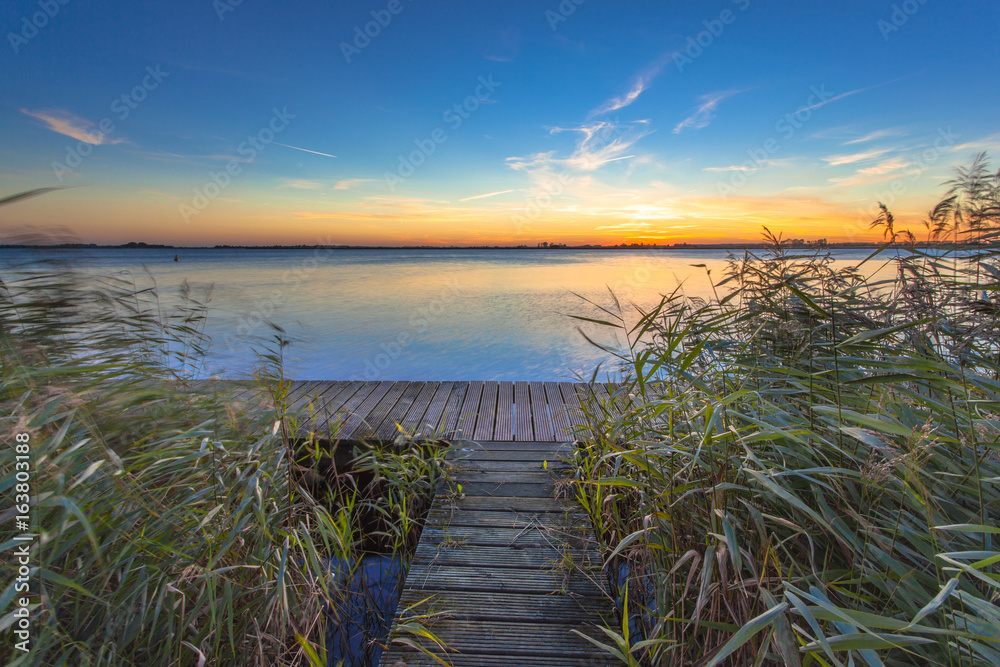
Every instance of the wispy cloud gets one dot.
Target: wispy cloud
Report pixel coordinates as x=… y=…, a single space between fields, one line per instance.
x=885 y=167
x=72 y=126
x=705 y=112
x=301 y=184
x=304 y=150
x=640 y=82
x=489 y=194
x=877 y=134
x=349 y=183
x=837 y=160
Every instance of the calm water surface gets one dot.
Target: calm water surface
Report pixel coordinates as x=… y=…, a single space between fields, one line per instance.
x=413 y=314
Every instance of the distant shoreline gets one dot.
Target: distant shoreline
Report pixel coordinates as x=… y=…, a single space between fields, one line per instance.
x=679 y=246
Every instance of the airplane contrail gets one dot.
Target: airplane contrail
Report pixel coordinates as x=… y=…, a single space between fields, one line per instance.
x=304 y=149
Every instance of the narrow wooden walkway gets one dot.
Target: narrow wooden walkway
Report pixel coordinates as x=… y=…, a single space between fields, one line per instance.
x=512 y=569
x=481 y=411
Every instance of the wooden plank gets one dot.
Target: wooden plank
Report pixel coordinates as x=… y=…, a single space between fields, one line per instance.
x=303 y=394
x=514 y=641
x=540 y=412
x=522 y=413
x=571 y=397
x=520 y=477
x=331 y=397
x=388 y=427
x=514 y=504
x=436 y=408
x=470 y=407
x=513 y=455
x=412 y=421
x=410 y=658
x=448 y=423
x=440 y=516
x=510 y=607
x=487 y=412
x=430 y=577
x=512 y=446
x=358 y=422
x=458 y=554
x=552 y=465
x=336 y=422
x=505 y=411
x=507 y=490
x=557 y=407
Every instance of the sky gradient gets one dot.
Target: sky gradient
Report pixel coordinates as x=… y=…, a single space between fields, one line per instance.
x=500 y=123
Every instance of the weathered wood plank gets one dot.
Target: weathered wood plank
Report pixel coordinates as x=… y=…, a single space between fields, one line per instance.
x=522 y=413
x=299 y=396
x=507 y=490
x=513 y=455
x=505 y=411
x=494 y=445
x=453 y=409
x=413 y=419
x=509 y=607
x=557 y=581
x=516 y=642
x=554 y=465
x=436 y=408
x=518 y=538
x=470 y=407
x=487 y=412
x=411 y=658
x=358 y=424
x=486 y=556
x=540 y=412
x=352 y=408
x=388 y=427
x=511 y=504
x=439 y=517
x=557 y=407
x=519 y=477
x=571 y=397
x=331 y=398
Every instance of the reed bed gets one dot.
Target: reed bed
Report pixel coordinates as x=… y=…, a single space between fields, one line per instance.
x=807 y=468
x=174 y=525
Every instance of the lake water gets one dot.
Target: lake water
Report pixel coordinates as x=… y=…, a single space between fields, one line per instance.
x=412 y=314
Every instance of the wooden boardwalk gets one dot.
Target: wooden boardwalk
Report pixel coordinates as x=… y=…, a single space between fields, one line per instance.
x=481 y=411
x=513 y=570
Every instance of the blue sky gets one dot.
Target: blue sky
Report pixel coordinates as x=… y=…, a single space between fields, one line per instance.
x=600 y=122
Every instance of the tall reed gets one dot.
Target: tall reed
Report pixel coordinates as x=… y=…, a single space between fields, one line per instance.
x=807 y=468
x=172 y=523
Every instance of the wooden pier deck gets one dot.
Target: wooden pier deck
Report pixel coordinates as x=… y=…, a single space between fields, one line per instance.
x=481 y=411
x=513 y=569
